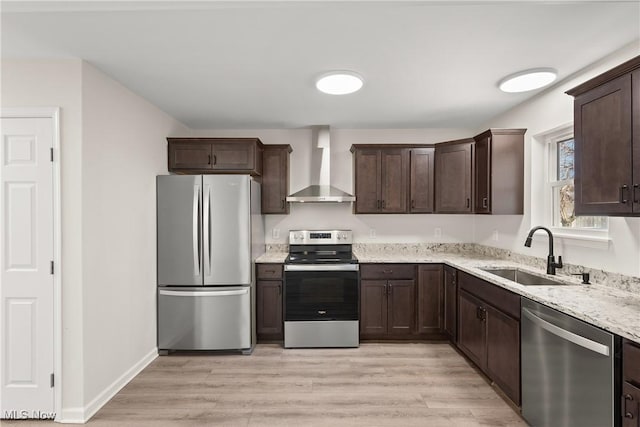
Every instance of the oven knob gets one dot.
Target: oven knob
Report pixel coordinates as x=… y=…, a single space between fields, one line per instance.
x=297 y=236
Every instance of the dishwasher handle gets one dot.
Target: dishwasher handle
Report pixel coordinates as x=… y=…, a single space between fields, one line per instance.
x=566 y=335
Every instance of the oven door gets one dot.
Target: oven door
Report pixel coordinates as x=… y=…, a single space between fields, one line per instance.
x=320 y=294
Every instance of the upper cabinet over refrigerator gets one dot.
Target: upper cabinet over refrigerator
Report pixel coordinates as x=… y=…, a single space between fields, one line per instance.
x=204 y=230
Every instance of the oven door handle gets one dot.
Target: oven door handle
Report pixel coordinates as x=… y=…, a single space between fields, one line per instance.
x=315 y=267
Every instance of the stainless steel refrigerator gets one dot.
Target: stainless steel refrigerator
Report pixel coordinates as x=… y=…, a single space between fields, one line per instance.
x=210 y=231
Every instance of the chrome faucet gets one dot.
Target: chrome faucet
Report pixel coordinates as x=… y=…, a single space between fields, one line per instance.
x=551 y=260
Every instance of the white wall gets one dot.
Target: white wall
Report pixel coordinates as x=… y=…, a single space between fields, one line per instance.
x=388 y=228
x=548 y=110
x=123 y=149
x=57 y=84
x=113 y=143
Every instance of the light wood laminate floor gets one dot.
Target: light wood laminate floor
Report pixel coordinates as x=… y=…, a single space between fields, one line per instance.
x=404 y=384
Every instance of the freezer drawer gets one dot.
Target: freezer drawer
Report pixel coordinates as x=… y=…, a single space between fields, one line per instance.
x=204 y=318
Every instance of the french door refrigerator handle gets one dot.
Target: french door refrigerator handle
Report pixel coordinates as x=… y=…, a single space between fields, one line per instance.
x=195 y=238
x=204 y=293
x=206 y=220
x=566 y=335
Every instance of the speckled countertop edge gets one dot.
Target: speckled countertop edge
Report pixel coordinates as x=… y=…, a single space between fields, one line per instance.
x=612 y=309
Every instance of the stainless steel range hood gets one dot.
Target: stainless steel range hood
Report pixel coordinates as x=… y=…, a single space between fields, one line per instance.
x=322 y=192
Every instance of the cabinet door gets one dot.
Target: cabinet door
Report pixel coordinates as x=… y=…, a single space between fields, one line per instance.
x=234 y=156
x=269 y=309
x=373 y=307
x=393 y=185
x=482 y=175
x=275 y=180
x=190 y=156
x=630 y=405
x=421 y=177
x=367 y=176
x=603 y=153
x=472 y=337
x=430 y=299
x=503 y=352
x=453 y=178
x=402 y=307
x=450 y=302
x=635 y=86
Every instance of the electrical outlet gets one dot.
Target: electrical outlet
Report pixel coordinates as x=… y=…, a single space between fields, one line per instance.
x=495 y=236
x=275 y=233
x=372 y=233
x=437 y=232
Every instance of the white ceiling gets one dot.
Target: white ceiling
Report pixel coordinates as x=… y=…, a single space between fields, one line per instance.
x=240 y=64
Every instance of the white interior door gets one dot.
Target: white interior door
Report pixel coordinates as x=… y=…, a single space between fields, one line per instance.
x=26 y=254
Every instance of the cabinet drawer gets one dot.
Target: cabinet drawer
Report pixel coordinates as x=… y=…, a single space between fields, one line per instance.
x=269 y=271
x=502 y=299
x=388 y=271
x=631 y=362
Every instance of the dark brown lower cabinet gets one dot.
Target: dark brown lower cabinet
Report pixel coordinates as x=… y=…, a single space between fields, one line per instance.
x=269 y=324
x=631 y=384
x=472 y=337
x=630 y=405
x=430 y=299
x=373 y=307
x=450 y=303
x=489 y=333
x=401 y=307
x=387 y=308
x=503 y=352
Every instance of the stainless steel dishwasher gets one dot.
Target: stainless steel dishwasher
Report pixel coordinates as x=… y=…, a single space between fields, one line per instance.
x=570 y=370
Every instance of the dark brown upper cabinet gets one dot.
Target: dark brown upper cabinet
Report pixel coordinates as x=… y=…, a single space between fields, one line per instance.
x=454 y=176
x=499 y=172
x=275 y=179
x=421 y=175
x=607 y=142
x=215 y=155
x=380 y=180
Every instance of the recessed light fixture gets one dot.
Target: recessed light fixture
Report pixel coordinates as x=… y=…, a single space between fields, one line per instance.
x=339 y=82
x=527 y=80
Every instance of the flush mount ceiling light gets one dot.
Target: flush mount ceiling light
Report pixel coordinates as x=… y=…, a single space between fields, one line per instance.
x=339 y=82
x=527 y=80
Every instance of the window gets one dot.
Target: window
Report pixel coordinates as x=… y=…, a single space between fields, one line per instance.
x=561 y=150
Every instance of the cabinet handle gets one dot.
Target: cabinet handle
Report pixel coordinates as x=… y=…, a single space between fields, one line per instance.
x=282 y=201
x=485 y=202
x=208 y=159
x=270 y=271
x=468 y=202
x=390 y=290
x=635 y=190
x=413 y=204
x=215 y=159
x=384 y=204
x=387 y=271
x=279 y=289
x=627 y=398
x=622 y=190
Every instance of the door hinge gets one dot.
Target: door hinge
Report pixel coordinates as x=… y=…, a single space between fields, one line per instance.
x=52 y=380
x=51 y=268
x=51 y=151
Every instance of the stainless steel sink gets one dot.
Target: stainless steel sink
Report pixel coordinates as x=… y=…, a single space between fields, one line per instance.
x=522 y=277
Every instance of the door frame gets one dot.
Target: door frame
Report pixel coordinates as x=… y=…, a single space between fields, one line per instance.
x=52 y=113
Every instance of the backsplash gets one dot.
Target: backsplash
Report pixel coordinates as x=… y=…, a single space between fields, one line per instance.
x=601 y=277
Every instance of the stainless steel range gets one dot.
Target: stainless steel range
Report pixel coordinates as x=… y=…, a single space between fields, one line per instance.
x=321 y=290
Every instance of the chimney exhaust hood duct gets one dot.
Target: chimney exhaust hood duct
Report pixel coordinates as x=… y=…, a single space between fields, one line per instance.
x=321 y=165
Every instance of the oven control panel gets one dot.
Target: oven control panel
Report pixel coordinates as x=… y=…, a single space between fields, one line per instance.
x=320 y=237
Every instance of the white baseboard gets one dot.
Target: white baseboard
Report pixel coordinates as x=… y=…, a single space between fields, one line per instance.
x=82 y=415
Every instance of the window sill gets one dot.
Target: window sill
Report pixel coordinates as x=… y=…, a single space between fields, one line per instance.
x=585 y=239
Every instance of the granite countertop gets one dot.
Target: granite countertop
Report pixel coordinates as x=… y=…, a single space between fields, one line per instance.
x=605 y=306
